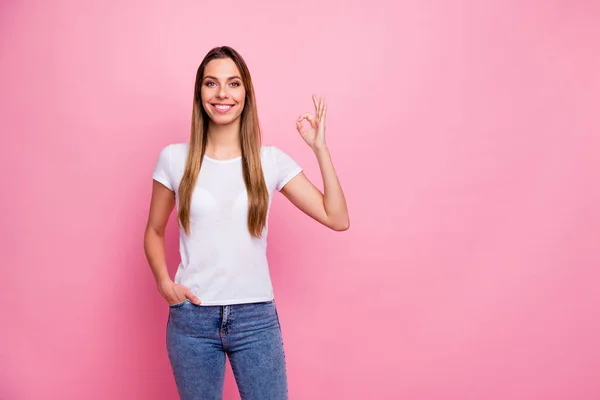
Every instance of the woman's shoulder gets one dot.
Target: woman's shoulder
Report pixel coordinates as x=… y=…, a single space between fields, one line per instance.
x=271 y=150
x=179 y=146
x=277 y=158
x=177 y=150
x=265 y=149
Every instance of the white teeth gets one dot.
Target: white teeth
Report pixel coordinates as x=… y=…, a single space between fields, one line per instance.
x=223 y=107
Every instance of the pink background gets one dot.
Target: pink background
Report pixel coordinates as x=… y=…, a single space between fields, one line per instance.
x=465 y=133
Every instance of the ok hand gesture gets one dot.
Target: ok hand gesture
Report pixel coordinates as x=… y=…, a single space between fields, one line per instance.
x=314 y=135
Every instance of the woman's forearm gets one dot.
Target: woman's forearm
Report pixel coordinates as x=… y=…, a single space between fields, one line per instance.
x=333 y=195
x=154 y=247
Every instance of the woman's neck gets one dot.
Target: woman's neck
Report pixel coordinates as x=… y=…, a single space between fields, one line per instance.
x=224 y=141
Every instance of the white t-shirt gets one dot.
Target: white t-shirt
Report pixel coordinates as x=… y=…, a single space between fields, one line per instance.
x=221 y=262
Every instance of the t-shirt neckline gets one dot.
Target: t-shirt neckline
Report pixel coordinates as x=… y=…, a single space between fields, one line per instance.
x=223 y=161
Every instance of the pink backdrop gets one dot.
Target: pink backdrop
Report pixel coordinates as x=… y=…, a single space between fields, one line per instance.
x=466 y=136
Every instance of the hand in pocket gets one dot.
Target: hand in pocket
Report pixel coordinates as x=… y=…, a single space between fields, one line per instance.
x=176 y=293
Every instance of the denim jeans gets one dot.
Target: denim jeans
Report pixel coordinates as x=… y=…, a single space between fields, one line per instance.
x=199 y=338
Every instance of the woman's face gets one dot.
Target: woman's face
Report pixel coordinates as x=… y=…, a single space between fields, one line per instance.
x=223 y=91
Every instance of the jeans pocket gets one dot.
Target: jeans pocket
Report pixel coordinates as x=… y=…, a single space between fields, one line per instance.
x=177 y=305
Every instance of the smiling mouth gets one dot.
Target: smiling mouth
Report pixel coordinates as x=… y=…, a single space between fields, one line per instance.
x=222 y=108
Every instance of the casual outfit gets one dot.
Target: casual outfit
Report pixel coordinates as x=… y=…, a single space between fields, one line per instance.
x=198 y=338
x=227 y=269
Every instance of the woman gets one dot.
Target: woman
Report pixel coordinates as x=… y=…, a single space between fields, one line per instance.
x=222 y=182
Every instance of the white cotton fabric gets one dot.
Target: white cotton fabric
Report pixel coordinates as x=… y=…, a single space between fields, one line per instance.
x=221 y=262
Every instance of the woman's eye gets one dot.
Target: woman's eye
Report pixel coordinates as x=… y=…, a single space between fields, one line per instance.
x=234 y=84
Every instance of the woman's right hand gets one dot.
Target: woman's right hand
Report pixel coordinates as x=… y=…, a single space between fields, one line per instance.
x=176 y=293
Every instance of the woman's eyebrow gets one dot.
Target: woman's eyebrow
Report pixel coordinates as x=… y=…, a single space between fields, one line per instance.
x=216 y=79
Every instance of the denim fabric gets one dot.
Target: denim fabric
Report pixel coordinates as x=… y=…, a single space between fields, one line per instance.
x=200 y=337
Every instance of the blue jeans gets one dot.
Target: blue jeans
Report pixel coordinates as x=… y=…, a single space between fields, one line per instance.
x=199 y=338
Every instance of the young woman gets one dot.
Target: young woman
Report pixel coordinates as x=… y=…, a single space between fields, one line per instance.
x=222 y=182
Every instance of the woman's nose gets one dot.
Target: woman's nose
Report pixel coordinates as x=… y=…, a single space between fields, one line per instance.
x=222 y=93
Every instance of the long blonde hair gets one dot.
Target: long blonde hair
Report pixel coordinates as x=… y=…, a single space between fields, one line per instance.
x=250 y=137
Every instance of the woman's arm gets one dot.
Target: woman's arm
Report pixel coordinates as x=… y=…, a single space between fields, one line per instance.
x=161 y=206
x=329 y=208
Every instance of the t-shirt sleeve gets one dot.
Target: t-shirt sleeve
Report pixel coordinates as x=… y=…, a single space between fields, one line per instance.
x=162 y=169
x=287 y=168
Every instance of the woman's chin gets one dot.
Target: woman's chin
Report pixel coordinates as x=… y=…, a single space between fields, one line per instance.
x=223 y=119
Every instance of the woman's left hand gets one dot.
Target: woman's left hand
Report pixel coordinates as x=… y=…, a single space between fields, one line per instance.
x=314 y=135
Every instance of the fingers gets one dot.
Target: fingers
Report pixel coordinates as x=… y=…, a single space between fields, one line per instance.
x=319 y=106
x=193 y=298
x=179 y=296
x=317 y=102
x=318 y=119
x=307 y=116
